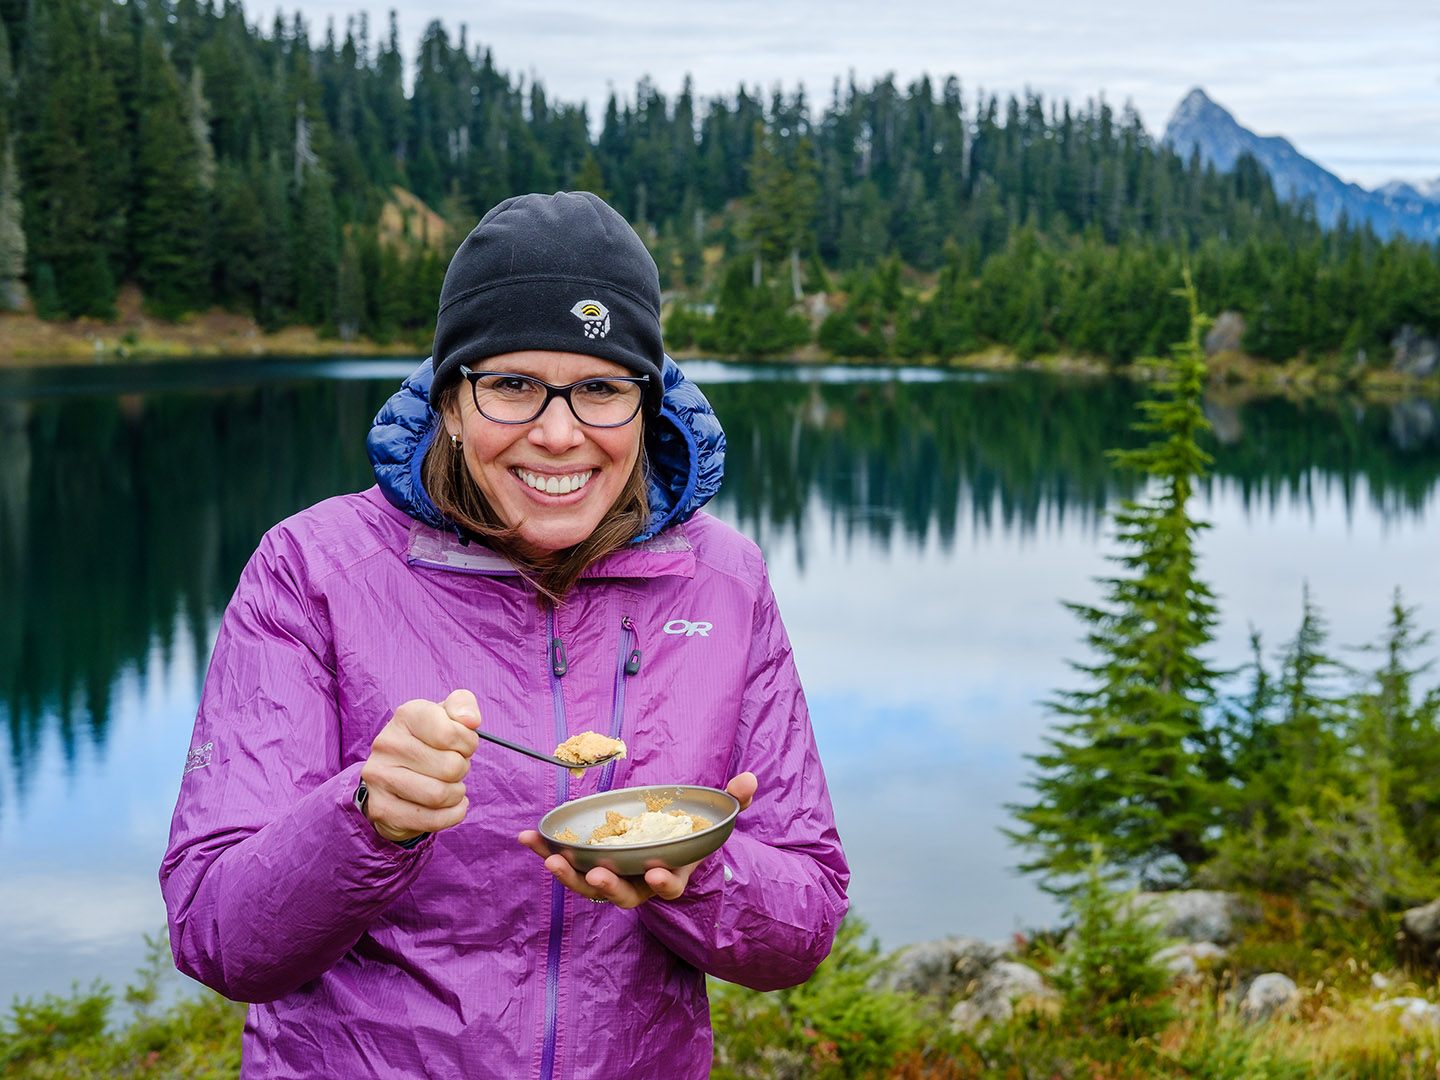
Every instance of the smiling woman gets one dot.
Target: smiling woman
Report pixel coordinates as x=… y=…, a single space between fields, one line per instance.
x=537 y=528
x=552 y=487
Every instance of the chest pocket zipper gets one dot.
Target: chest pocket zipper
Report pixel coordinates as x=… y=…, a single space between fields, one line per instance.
x=628 y=664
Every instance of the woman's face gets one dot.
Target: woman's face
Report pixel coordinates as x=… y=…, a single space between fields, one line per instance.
x=505 y=460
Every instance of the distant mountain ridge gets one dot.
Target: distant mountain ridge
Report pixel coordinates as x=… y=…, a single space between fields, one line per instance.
x=1395 y=208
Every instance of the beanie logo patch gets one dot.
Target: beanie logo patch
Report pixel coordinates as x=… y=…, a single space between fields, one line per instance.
x=594 y=317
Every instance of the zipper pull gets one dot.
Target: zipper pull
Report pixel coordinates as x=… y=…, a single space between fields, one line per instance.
x=632 y=662
x=558 y=664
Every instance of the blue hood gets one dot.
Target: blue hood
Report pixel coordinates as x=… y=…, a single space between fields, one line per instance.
x=684 y=444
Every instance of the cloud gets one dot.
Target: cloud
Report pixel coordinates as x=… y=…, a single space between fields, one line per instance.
x=1287 y=67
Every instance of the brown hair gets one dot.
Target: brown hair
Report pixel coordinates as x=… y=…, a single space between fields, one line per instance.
x=455 y=494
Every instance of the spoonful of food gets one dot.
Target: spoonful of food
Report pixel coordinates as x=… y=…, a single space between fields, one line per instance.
x=577 y=753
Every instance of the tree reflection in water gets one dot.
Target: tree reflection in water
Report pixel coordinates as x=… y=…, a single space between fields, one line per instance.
x=126 y=517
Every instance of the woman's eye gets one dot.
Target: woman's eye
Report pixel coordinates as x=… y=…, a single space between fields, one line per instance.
x=598 y=389
x=511 y=385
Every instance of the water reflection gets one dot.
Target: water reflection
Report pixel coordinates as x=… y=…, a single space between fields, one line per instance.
x=121 y=512
x=129 y=501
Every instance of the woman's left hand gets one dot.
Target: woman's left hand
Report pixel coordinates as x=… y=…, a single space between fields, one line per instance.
x=629 y=892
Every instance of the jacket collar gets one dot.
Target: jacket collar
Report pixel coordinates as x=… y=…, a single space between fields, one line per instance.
x=666 y=555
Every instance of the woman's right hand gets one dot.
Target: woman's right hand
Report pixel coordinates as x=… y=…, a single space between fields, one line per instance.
x=416 y=770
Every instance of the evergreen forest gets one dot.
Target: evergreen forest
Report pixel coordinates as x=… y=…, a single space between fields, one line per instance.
x=291 y=176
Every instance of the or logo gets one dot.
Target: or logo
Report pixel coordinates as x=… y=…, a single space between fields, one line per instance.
x=594 y=317
x=199 y=757
x=686 y=627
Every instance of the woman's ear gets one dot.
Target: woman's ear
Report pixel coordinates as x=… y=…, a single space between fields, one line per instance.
x=450 y=417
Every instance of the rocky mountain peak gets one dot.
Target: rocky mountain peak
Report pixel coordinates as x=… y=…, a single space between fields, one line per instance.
x=1199 y=124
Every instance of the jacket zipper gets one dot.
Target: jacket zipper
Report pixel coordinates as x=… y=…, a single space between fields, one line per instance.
x=629 y=664
x=555 y=654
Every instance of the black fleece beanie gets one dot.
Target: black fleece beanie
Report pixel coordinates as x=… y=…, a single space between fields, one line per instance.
x=562 y=273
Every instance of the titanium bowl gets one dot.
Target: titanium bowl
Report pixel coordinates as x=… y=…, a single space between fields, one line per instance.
x=582 y=816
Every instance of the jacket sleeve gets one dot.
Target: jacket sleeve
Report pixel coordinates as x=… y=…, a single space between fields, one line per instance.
x=763 y=910
x=272 y=873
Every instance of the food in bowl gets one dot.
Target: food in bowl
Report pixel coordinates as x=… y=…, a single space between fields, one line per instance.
x=646 y=828
x=653 y=824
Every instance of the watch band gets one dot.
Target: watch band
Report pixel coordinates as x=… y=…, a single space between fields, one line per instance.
x=362 y=799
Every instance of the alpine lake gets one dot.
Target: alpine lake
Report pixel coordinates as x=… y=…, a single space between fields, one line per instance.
x=923 y=529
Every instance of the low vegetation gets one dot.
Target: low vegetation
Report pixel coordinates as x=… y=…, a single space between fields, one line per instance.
x=1120 y=1016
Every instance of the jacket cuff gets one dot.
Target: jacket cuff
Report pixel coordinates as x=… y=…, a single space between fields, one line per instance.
x=395 y=849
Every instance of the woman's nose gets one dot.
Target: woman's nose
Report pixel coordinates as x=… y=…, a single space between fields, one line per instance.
x=556 y=429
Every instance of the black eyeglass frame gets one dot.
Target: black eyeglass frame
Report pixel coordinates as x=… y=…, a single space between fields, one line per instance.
x=552 y=392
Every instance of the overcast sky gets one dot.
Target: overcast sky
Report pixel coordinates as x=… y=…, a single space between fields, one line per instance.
x=1354 y=87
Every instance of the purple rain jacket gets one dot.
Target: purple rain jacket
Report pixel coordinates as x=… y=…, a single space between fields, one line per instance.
x=462 y=956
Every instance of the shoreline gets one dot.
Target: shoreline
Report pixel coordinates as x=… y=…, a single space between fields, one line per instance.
x=27 y=342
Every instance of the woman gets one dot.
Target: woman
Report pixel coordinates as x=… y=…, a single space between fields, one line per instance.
x=534 y=554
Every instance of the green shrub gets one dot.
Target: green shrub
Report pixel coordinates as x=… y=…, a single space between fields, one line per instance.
x=53 y=1026
x=1109 y=981
x=831 y=1027
x=72 y=1038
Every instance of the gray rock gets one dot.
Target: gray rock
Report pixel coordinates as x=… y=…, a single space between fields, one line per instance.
x=1225 y=423
x=1412 y=423
x=1004 y=987
x=1414 y=1012
x=1195 y=914
x=1189 y=958
x=1267 y=995
x=1420 y=933
x=1414 y=354
x=938 y=969
x=1226 y=335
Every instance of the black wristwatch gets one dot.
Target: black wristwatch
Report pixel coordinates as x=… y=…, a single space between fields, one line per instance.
x=362 y=797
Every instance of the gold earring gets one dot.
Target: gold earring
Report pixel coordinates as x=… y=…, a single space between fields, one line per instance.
x=455 y=440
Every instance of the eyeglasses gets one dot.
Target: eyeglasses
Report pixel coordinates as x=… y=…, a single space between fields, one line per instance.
x=518 y=399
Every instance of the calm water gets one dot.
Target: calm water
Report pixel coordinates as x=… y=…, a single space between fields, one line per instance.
x=922 y=530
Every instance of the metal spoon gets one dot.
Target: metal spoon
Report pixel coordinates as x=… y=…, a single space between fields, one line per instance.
x=537 y=755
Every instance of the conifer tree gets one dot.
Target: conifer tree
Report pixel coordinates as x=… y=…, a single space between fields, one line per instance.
x=12 y=231
x=1131 y=763
x=1412 y=719
x=781 y=204
x=1108 y=978
x=238 y=232
x=275 y=265
x=317 y=252
x=72 y=162
x=171 y=215
x=1337 y=786
x=349 y=292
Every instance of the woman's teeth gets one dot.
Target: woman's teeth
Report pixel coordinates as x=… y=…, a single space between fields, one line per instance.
x=555 y=485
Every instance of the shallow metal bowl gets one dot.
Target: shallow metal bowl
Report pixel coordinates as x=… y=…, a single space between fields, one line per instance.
x=584 y=816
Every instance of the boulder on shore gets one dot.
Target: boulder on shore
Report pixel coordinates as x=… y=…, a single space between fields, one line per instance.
x=939 y=969
x=1268 y=995
x=1414 y=354
x=1005 y=987
x=1420 y=934
x=1195 y=914
x=1189 y=957
x=1226 y=335
x=1414 y=1012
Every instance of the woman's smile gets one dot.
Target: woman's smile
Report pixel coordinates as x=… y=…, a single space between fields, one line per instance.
x=550 y=484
